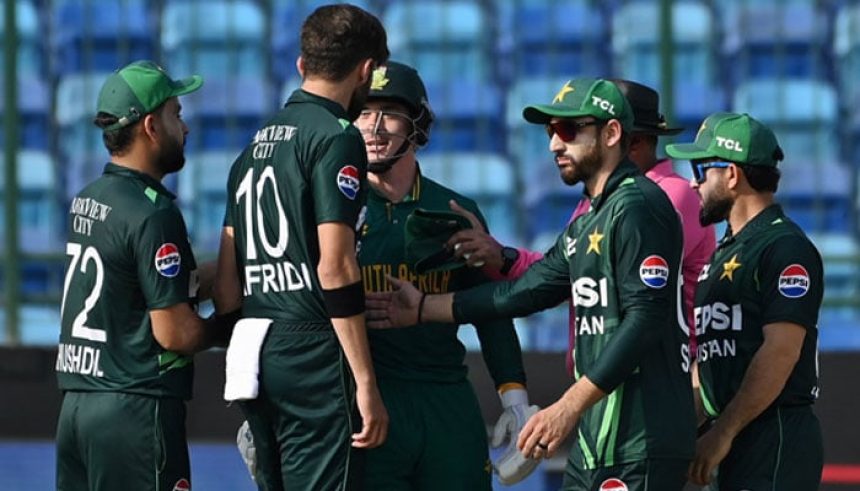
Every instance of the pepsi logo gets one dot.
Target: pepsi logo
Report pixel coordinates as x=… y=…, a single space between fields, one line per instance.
x=182 y=485
x=613 y=484
x=348 y=181
x=793 y=281
x=654 y=272
x=168 y=260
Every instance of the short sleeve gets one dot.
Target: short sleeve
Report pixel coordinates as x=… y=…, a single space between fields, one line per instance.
x=164 y=259
x=791 y=281
x=339 y=179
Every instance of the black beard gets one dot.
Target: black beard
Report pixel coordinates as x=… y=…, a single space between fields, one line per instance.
x=584 y=168
x=715 y=210
x=171 y=158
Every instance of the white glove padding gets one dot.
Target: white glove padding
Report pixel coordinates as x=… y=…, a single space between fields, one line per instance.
x=245 y=442
x=512 y=467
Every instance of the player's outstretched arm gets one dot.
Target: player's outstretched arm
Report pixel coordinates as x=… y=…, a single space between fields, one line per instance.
x=406 y=306
x=340 y=280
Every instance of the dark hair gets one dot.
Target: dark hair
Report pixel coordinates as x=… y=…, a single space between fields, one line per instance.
x=116 y=141
x=336 y=38
x=761 y=178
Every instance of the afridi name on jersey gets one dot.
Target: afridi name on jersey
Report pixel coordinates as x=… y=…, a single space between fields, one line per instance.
x=769 y=272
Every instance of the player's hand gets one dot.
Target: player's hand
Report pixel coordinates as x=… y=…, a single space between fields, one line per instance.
x=475 y=245
x=374 y=418
x=711 y=449
x=512 y=467
x=398 y=308
x=544 y=432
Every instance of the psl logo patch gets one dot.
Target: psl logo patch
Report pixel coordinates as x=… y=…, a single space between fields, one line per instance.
x=168 y=260
x=654 y=272
x=613 y=484
x=348 y=182
x=794 y=281
x=182 y=485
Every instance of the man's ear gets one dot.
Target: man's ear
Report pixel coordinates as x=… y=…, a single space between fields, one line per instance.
x=366 y=71
x=613 y=132
x=300 y=66
x=149 y=127
x=735 y=177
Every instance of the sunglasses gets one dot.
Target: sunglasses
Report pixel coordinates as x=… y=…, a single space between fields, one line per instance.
x=699 y=170
x=566 y=129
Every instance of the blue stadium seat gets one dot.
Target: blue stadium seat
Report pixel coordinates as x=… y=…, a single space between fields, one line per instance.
x=552 y=37
x=443 y=39
x=38 y=325
x=31 y=59
x=34 y=105
x=468 y=116
x=217 y=38
x=846 y=48
x=528 y=145
x=486 y=178
x=96 y=35
x=226 y=112
x=202 y=195
x=637 y=50
x=775 y=39
x=693 y=103
x=39 y=220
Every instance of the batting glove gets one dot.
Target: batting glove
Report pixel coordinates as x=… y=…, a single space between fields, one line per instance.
x=245 y=442
x=512 y=467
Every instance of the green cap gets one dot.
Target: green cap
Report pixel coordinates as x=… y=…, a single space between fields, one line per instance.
x=425 y=237
x=584 y=97
x=738 y=138
x=139 y=88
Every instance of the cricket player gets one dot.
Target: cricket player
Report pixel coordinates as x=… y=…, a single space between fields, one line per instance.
x=756 y=316
x=129 y=321
x=296 y=196
x=621 y=263
x=437 y=438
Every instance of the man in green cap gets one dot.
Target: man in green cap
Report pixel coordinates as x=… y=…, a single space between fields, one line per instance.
x=632 y=400
x=756 y=315
x=296 y=197
x=129 y=320
x=437 y=437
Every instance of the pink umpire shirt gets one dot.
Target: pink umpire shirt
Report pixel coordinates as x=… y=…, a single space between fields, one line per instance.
x=699 y=244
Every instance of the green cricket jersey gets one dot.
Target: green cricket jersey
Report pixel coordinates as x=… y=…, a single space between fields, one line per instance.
x=306 y=166
x=769 y=272
x=621 y=263
x=417 y=352
x=128 y=252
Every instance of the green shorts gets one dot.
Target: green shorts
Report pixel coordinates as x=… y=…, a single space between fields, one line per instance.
x=305 y=413
x=780 y=450
x=643 y=475
x=436 y=440
x=112 y=440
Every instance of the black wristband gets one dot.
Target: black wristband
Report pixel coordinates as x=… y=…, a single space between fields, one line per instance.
x=345 y=301
x=421 y=306
x=222 y=326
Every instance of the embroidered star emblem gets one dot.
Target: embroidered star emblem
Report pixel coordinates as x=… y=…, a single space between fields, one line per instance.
x=730 y=267
x=379 y=80
x=702 y=128
x=563 y=92
x=594 y=242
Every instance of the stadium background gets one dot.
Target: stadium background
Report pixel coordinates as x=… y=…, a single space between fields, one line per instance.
x=794 y=64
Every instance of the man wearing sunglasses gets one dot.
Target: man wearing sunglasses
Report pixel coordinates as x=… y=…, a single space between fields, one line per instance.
x=648 y=124
x=756 y=317
x=632 y=400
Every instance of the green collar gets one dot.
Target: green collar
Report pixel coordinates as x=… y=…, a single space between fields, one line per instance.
x=121 y=170
x=621 y=176
x=302 y=96
x=412 y=196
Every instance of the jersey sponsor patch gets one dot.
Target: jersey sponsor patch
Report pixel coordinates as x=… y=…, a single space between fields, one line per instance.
x=348 y=182
x=613 y=484
x=793 y=281
x=168 y=260
x=182 y=485
x=654 y=272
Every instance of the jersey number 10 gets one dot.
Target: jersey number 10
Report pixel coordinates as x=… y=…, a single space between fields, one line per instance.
x=251 y=195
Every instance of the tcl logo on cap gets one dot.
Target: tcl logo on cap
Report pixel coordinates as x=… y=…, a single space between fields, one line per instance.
x=613 y=484
x=182 y=485
x=348 y=182
x=168 y=260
